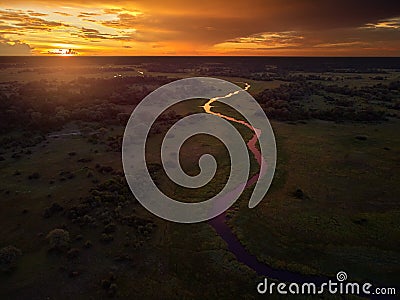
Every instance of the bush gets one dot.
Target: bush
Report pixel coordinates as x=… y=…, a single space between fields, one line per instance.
x=106 y=238
x=58 y=239
x=109 y=228
x=8 y=257
x=35 y=175
x=299 y=194
x=73 y=253
x=88 y=244
x=105 y=283
x=361 y=137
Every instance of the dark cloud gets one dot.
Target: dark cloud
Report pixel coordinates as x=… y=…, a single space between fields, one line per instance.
x=126 y=21
x=93 y=34
x=89 y=33
x=212 y=22
x=112 y=11
x=37 y=14
x=25 y=21
x=88 y=14
x=63 y=14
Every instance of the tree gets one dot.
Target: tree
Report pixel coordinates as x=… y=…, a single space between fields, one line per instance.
x=8 y=257
x=58 y=239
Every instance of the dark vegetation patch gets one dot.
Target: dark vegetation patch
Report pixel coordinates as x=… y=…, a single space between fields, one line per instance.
x=290 y=102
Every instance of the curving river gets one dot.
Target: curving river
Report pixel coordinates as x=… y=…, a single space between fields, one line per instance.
x=219 y=222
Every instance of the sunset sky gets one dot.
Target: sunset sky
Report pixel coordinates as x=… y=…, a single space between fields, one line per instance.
x=208 y=27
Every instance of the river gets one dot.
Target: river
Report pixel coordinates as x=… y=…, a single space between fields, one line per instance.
x=219 y=222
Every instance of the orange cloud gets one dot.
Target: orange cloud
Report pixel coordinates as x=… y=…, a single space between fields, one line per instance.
x=209 y=27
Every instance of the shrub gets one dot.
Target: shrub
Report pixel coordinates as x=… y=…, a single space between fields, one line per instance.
x=106 y=238
x=299 y=194
x=88 y=244
x=109 y=228
x=8 y=257
x=58 y=239
x=35 y=175
x=105 y=283
x=361 y=137
x=73 y=253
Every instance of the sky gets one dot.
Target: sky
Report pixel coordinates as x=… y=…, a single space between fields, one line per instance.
x=207 y=27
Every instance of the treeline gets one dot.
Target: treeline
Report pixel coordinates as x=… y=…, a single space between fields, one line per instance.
x=47 y=105
x=289 y=102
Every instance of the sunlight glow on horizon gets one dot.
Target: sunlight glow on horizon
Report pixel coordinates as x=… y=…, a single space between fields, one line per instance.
x=63 y=52
x=103 y=28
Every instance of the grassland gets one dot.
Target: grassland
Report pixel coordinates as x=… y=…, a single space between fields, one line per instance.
x=333 y=204
x=160 y=265
x=347 y=215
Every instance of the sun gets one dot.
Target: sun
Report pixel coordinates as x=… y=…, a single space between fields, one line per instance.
x=63 y=52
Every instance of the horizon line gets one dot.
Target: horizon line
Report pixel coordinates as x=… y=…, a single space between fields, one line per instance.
x=192 y=56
